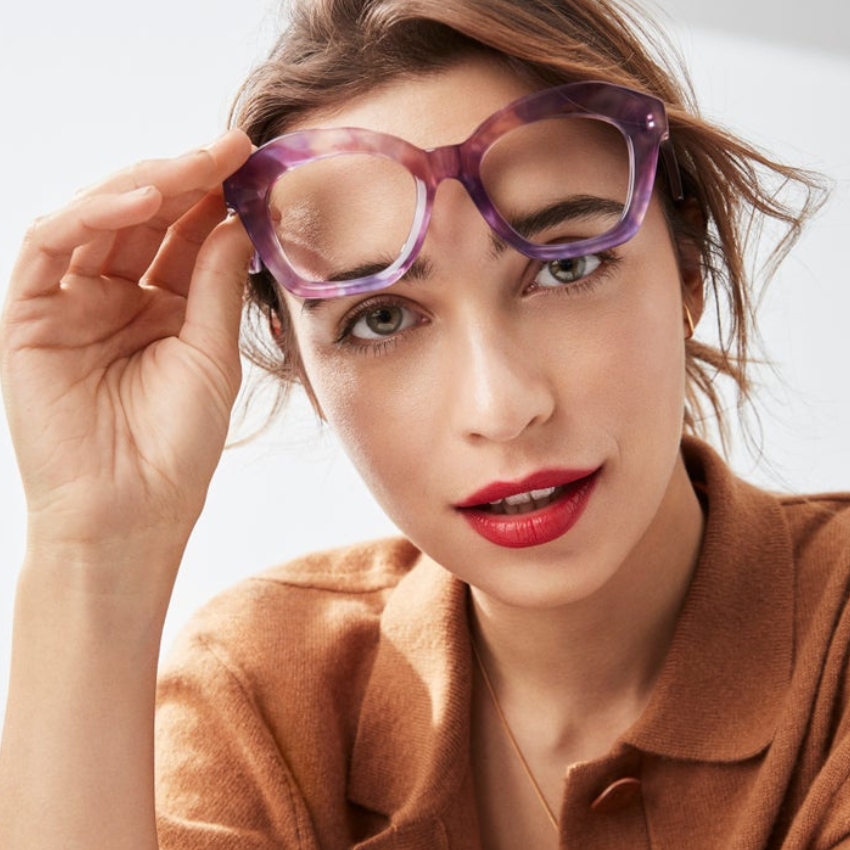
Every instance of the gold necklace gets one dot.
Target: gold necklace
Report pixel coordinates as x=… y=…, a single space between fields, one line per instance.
x=510 y=736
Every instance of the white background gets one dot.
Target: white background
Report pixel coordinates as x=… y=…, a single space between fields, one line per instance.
x=90 y=86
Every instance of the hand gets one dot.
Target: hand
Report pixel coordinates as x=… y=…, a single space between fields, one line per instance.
x=119 y=352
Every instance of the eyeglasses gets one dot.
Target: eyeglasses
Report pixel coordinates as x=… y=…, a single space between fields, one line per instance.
x=559 y=174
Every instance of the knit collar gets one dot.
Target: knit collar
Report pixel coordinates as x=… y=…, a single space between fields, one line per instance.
x=721 y=688
x=717 y=699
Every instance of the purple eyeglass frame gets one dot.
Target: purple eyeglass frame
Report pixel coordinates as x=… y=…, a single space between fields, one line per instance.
x=640 y=118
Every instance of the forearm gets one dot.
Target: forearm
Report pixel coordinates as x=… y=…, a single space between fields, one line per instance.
x=119 y=361
x=76 y=761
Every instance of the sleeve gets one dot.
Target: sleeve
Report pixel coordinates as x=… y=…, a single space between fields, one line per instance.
x=221 y=780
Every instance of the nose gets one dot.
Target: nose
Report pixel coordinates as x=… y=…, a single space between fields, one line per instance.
x=501 y=387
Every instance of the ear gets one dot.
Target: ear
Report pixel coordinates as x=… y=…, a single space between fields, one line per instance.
x=689 y=241
x=286 y=342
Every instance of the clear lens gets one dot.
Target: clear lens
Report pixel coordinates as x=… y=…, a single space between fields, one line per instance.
x=560 y=179
x=343 y=217
x=350 y=215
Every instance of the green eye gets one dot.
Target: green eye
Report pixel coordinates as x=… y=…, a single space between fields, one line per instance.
x=558 y=272
x=385 y=320
x=382 y=321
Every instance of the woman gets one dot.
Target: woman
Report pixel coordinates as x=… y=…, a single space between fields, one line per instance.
x=593 y=635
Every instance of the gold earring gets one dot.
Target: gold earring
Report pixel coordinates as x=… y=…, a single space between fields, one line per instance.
x=690 y=320
x=275 y=324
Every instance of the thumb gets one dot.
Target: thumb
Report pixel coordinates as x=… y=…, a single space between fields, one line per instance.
x=216 y=294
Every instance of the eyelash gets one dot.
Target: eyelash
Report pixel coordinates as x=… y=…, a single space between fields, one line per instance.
x=371 y=346
x=608 y=262
x=345 y=338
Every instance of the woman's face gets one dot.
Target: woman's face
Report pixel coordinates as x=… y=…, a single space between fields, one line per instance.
x=486 y=377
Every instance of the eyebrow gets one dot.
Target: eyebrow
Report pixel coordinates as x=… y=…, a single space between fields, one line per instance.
x=572 y=209
x=421 y=269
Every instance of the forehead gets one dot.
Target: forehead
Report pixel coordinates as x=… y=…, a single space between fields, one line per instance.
x=441 y=108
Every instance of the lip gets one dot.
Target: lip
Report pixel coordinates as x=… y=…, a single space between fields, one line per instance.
x=517 y=531
x=536 y=481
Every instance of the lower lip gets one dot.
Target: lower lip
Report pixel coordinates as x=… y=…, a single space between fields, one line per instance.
x=519 y=531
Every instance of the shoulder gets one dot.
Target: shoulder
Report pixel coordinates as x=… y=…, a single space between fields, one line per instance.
x=258 y=700
x=818 y=528
x=790 y=554
x=325 y=578
x=819 y=532
x=819 y=524
x=305 y=614
x=815 y=527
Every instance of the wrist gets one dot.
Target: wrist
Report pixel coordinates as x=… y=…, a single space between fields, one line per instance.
x=128 y=578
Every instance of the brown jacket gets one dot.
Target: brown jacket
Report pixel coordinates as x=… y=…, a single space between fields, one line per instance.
x=325 y=704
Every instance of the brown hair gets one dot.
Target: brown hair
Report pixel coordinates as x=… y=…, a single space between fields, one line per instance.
x=333 y=50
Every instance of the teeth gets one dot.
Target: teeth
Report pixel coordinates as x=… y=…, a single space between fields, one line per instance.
x=521 y=503
x=525 y=498
x=542 y=494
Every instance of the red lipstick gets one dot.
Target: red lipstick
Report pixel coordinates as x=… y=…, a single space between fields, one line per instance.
x=532 y=511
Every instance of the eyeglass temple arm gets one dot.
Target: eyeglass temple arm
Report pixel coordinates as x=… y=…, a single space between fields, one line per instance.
x=671 y=167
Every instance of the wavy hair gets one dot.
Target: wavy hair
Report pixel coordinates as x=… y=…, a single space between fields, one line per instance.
x=334 y=50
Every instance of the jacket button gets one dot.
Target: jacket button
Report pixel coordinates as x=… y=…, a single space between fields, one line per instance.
x=617 y=795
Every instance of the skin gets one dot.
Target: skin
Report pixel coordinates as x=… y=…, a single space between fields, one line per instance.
x=119 y=338
x=494 y=375
x=118 y=398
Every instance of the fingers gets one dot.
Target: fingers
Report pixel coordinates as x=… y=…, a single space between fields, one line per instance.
x=214 y=306
x=133 y=250
x=183 y=182
x=49 y=246
x=175 y=260
x=201 y=169
x=117 y=227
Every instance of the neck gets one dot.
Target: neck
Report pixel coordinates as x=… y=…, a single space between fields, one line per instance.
x=598 y=657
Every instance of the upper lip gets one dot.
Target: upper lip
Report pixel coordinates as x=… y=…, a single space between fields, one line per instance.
x=540 y=480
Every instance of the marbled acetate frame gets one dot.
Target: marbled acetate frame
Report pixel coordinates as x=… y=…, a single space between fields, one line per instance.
x=640 y=118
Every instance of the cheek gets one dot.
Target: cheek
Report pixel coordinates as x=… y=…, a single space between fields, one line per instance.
x=651 y=355
x=631 y=371
x=380 y=415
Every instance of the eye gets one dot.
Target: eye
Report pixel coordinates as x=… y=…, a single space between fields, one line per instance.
x=559 y=272
x=380 y=321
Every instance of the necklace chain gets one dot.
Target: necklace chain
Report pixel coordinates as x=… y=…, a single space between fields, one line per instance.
x=510 y=736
